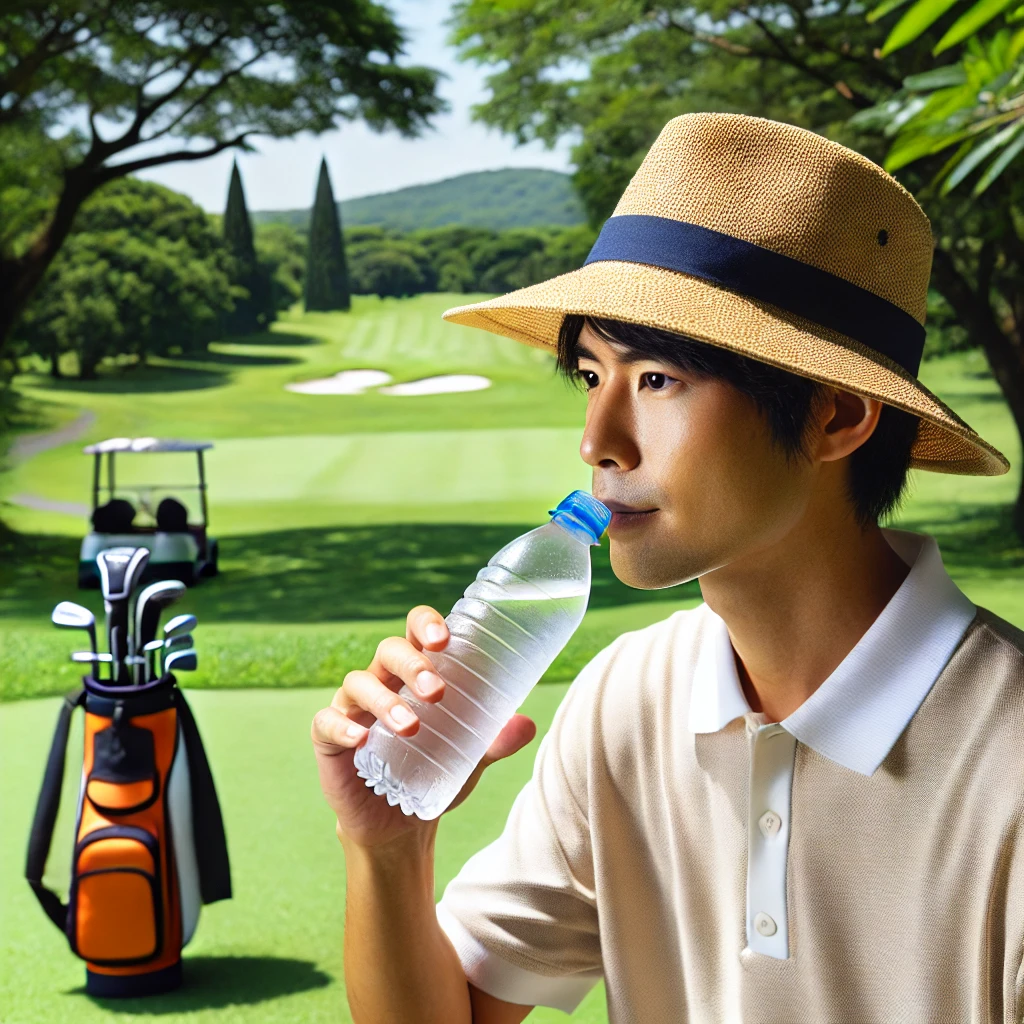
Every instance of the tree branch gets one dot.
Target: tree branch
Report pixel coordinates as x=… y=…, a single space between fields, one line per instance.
x=120 y=170
x=858 y=99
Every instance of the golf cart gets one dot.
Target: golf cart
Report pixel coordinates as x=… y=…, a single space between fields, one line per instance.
x=178 y=549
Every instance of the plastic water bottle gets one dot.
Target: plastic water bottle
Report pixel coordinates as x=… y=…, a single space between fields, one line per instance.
x=505 y=631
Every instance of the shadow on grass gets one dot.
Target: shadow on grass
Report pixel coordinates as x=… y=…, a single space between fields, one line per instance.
x=145 y=380
x=214 y=982
x=312 y=575
x=380 y=572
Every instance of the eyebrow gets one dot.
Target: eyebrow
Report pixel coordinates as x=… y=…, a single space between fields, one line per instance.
x=631 y=356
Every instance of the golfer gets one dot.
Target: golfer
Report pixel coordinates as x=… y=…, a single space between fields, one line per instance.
x=802 y=800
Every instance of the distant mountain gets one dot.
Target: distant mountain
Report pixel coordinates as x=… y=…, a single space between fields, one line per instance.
x=511 y=198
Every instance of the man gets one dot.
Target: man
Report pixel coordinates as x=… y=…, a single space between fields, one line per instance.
x=802 y=800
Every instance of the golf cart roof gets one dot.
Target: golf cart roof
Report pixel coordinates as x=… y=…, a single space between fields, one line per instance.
x=145 y=444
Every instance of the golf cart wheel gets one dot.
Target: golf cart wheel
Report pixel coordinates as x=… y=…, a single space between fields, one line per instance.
x=211 y=566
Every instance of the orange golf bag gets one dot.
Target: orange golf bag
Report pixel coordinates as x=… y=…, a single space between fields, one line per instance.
x=149 y=837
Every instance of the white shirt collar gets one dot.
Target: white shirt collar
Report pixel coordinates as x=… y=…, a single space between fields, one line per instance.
x=860 y=710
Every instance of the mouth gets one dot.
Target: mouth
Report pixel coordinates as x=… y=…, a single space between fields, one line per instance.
x=624 y=516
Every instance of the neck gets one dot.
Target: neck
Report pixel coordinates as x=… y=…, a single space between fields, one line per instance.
x=796 y=609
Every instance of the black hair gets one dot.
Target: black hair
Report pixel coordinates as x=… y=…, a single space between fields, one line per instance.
x=878 y=468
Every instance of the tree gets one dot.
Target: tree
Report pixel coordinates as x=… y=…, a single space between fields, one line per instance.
x=254 y=310
x=327 y=285
x=611 y=73
x=143 y=273
x=281 y=252
x=209 y=75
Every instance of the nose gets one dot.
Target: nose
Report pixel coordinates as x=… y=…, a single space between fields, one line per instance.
x=609 y=437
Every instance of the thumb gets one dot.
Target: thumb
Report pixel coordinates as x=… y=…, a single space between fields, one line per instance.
x=516 y=733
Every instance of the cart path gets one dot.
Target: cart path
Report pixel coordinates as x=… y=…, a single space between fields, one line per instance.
x=29 y=445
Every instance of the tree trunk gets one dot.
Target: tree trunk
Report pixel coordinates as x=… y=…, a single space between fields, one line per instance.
x=55 y=363
x=1005 y=351
x=20 y=277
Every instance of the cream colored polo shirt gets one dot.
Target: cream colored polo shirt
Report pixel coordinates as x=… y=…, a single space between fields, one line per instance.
x=861 y=861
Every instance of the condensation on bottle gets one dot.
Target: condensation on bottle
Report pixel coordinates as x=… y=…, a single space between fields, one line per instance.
x=506 y=629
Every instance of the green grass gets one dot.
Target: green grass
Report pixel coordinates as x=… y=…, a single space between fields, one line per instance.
x=274 y=952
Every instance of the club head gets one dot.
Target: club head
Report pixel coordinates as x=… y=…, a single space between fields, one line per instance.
x=180 y=625
x=153 y=645
x=73 y=616
x=181 y=661
x=178 y=643
x=120 y=569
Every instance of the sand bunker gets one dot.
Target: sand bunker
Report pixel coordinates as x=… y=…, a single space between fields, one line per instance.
x=348 y=382
x=439 y=385
x=357 y=382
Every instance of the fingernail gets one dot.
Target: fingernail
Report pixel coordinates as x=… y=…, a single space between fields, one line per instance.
x=402 y=716
x=428 y=683
x=436 y=633
x=354 y=731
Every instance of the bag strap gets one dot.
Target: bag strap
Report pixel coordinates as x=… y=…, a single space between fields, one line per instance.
x=207 y=823
x=46 y=812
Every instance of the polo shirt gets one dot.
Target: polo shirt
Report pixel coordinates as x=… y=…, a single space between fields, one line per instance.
x=860 y=861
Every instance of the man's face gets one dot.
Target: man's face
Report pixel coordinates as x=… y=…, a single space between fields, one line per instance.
x=696 y=460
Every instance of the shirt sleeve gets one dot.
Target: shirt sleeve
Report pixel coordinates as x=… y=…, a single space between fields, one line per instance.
x=522 y=913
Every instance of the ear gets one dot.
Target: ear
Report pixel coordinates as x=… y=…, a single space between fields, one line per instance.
x=847 y=421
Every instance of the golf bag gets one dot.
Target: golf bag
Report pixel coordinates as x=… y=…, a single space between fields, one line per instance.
x=149 y=839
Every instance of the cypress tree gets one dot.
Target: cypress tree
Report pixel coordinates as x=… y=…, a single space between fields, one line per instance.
x=255 y=312
x=327 y=285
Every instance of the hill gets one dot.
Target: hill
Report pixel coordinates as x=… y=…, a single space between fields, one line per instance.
x=510 y=198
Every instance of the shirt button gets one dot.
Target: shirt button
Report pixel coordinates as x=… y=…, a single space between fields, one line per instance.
x=764 y=924
x=769 y=823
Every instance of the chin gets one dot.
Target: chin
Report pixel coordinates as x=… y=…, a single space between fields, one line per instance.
x=644 y=569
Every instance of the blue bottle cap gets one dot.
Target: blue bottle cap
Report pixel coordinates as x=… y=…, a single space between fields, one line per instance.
x=581 y=510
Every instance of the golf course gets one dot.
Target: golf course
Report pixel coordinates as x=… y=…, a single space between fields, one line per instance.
x=335 y=513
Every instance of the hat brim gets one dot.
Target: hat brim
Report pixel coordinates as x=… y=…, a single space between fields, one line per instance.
x=645 y=294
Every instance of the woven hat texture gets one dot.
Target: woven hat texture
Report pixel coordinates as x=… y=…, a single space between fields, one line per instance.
x=791 y=192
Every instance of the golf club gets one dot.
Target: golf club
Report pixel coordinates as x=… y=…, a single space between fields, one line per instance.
x=73 y=616
x=183 y=661
x=90 y=656
x=180 y=624
x=149 y=653
x=120 y=569
x=148 y=606
x=175 y=643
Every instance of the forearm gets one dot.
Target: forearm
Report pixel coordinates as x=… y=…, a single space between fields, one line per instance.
x=399 y=965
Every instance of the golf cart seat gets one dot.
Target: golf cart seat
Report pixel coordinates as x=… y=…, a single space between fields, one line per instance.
x=171 y=516
x=114 y=517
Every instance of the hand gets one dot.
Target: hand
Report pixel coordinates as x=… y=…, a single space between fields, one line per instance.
x=365 y=696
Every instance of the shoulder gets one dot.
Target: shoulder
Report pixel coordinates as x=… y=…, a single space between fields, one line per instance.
x=643 y=673
x=1005 y=639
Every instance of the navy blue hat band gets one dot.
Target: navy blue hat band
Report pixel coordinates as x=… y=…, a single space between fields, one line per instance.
x=767 y=276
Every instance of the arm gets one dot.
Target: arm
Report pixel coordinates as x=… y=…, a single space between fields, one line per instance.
x=399 y=964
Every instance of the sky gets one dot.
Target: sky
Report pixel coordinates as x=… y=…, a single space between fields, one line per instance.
x=282 y=174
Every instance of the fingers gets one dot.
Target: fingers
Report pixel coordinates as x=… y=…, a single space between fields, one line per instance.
x=333 y=731
x=399 y=659
x=364 y=691
x=425 y=628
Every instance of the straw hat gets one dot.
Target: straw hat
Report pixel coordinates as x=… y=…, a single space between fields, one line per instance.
x=771 y=241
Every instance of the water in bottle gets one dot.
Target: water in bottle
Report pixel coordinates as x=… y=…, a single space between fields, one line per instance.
x=506 y=630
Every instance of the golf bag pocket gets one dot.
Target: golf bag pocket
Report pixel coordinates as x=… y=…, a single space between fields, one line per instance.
x=114 y=912
x=123 y=779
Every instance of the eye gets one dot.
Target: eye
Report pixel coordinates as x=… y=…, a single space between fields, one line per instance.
x=589 y=378
x=656 y=381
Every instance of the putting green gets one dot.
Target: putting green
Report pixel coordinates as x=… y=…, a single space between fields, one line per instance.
x=272 y=954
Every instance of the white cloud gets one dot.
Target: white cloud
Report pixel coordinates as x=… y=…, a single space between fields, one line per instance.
x=282 y=175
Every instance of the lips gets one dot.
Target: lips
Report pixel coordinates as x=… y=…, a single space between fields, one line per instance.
x=624 y=515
